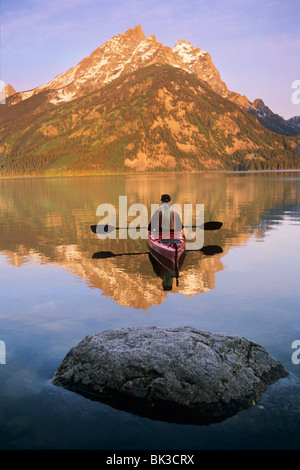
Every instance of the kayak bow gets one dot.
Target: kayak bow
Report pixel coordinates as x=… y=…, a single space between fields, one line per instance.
x=169 y=251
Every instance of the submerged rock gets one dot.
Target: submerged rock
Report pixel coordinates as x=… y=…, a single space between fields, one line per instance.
x=176 y=374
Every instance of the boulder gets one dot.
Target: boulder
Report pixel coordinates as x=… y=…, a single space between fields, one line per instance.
x=179 y=374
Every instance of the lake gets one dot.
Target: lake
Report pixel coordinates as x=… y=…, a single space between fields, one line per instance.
x=56 y=289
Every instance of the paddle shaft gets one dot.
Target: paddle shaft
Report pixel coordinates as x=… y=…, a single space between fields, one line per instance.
x=205 y=226
x=212 y=225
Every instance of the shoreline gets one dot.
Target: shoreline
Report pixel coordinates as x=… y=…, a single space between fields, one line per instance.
x=162 y=173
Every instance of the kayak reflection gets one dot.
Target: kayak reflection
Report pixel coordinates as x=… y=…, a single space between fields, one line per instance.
x=166 y=270
x=163 y=267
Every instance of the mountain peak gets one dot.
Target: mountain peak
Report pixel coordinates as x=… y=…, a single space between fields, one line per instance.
x=151 y=37
x=9 y=90
x=183 y=45
x=183 y=41
x=123 y=54
x=135 y=33
x=260 y=106
x=258 y=102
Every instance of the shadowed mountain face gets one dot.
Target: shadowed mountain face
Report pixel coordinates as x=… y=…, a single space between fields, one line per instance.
x=47 y=221
x=273 y=121
x=135 y=105
x=295 y=123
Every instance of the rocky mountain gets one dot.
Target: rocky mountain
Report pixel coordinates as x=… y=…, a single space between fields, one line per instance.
x=126 y=53
x=5 y=92
x=295 y=122
x=273 y=121
x=136 y=105
x=9 y=90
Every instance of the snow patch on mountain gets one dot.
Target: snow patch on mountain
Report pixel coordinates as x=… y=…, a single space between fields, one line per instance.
x=186 y=51
x=123 y=54
x=61 y=96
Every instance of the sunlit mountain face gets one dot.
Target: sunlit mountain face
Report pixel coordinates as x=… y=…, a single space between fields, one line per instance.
x=136 y=106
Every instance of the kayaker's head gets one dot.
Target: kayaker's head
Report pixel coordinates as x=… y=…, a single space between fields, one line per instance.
x=165 y=198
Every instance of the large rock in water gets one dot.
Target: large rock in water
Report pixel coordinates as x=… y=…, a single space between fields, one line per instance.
x=177 y=374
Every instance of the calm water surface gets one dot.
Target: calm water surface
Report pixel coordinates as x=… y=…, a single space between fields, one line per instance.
x=55 y=289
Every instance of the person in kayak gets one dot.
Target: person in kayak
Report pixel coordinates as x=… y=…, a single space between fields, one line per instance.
x=165 y=219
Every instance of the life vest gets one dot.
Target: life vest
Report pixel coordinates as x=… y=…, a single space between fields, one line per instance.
x=164 y=220
x=166 y=217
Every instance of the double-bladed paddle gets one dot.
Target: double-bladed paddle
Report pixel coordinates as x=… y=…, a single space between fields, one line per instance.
x=103 y=229
x=208 y=250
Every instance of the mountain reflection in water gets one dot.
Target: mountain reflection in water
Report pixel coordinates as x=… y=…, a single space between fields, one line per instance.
x=47 y=221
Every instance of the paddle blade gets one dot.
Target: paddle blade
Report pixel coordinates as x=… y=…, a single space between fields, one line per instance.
x=102 y=229
x=211 y=250
x=212 y=225
x=103 y=255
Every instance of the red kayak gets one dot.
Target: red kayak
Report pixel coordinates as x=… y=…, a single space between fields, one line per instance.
x=168 y=250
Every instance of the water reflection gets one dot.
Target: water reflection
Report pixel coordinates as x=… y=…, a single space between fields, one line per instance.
x=162 y=266
x=47 y=221
x=168 y=273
